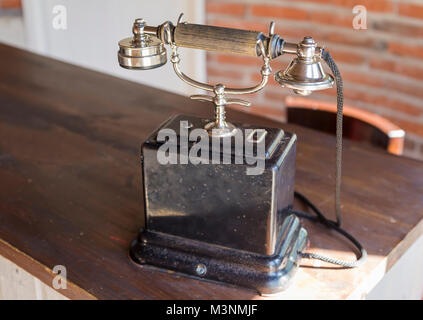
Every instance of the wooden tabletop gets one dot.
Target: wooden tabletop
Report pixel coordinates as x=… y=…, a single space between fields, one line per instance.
x=70 y=187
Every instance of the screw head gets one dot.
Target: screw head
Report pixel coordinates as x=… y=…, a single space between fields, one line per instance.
x=140 y=21
x=201 y=269
x=138 y=27
x=219 y=89
x=308 y=40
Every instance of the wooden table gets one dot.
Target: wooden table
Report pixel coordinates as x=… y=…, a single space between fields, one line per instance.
x=70 y=188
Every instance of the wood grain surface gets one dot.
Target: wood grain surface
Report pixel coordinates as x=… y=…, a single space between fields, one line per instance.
x=70 y=187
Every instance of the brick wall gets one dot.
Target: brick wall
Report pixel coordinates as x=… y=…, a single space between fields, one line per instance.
x=382 y=66
x=10 y=4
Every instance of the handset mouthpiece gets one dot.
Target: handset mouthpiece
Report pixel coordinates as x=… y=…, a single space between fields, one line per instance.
x=305 y=73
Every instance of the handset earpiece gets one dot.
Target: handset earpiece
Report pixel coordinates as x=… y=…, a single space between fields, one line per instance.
x=142 y=51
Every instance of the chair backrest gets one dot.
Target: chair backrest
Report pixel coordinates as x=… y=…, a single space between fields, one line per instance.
x=359 y=125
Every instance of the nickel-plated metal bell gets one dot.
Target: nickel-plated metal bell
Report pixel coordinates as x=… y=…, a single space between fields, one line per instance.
x=305 y=73
x=142 y=51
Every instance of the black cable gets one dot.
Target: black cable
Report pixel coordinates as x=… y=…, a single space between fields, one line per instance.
x=319 y=217
x=335 y=225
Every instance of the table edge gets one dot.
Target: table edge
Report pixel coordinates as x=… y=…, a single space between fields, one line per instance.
x=41 y=272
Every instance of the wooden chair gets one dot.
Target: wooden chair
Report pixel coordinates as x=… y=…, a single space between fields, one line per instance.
x=359 y=125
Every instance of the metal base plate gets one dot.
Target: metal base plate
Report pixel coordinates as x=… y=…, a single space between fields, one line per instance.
x=266 y=274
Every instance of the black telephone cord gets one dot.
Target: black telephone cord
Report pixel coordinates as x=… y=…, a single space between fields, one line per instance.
x=319 y=217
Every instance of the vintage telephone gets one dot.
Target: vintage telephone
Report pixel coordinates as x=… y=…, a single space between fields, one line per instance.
x=214 y=221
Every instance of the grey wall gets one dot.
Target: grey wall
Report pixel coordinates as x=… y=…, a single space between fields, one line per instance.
x=94 y=28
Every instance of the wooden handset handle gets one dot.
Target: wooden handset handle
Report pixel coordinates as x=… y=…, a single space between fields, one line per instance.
x=221 y=39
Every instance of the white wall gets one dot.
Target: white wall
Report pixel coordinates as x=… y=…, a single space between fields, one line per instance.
x=94 y=28
x=405 y=279
x=11 y=30
x=18 y=284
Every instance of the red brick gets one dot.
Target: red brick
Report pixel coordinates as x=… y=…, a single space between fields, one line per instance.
x=10 y=4
x=383 y=101
x=210 y=56
x=344 y=37
x=235 y=9
x=347 y=56
x=256 y=78
x=239 y=60
x=224 y=73
x=330 y=18
x=371 y=5
x=406 y=50
x=415 y=89
x=353 y=38
x=314 y=1
x=296 y=33
x=396 y=67
x=369 y=79
x=408 y=126
x=393 y=104
x=402 y=28
x=279 y=12
x=322 y=37
x=361 y=78
x=241 y=24
x=411 y=10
